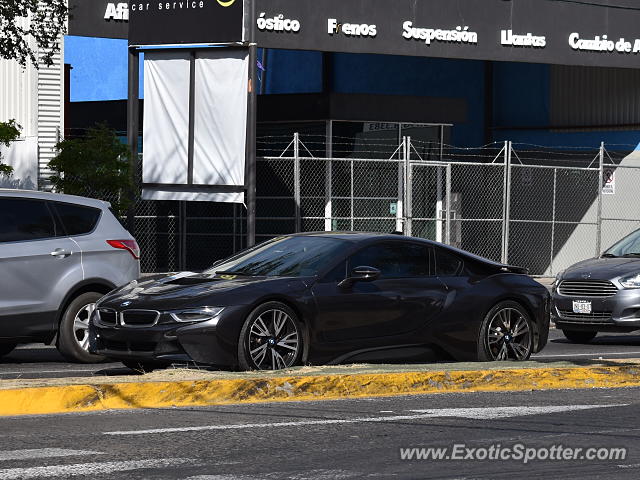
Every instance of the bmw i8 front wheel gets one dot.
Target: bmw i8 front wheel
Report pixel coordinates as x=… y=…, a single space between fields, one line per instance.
x=271 y=338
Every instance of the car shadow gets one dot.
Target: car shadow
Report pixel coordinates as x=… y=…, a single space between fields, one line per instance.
x=604 y=339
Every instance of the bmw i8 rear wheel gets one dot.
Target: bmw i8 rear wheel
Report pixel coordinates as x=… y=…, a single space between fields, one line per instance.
x=271 y=338
x=506 y=333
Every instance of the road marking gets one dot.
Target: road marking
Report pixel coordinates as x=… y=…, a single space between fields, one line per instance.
x=34 y=453
x=584 y=354
x=446 y=412
x=63 y=471
x=489 y=413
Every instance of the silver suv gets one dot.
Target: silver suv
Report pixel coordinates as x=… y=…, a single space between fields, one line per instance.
x=58 y=255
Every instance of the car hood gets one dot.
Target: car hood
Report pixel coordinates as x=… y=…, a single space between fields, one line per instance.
x=602 y=269
x=192 y=289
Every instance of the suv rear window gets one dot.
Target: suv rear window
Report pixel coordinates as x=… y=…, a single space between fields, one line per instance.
x=77 y=219
x=24 y=219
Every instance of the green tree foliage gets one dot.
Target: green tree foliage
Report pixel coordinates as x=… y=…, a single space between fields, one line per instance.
x=9 y=132
x=95 y=165
x=47 y=24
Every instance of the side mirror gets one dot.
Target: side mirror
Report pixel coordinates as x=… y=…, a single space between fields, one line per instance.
x=361 y=274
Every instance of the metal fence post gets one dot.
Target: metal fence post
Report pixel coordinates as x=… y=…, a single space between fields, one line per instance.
x=296 y=180
x=402 y=208
x=328 y=178
x=182 y=220
x=599 y=212
x=553 y=219
x=447 y=210
x=506 y=200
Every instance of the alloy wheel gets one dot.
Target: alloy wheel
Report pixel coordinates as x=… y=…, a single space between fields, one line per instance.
x=81 y=325
x=274 y=340
x=509 y=335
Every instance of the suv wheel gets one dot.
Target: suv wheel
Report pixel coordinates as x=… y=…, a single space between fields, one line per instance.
x=73 y=335
x=579 y=337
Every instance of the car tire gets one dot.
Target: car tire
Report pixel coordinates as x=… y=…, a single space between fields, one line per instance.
x=272 y=338
x=575 y=336
x=144 y=367
x=7 y=348
x=506 y=333
x=73 y=334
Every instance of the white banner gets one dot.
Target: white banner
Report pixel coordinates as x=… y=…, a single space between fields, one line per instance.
x=166 y=117
x=220 y=117
x=219 y=124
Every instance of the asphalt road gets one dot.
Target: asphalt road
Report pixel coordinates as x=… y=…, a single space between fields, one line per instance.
x=39 y=361
x=340 y=439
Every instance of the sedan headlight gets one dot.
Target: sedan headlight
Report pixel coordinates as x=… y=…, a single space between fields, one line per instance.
x=197 y=314
x=556 y=282
x=632 y=281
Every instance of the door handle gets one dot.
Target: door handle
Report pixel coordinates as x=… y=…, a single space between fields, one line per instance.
x=60 y=253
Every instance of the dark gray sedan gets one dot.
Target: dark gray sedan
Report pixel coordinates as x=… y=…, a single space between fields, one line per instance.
x=600 y=294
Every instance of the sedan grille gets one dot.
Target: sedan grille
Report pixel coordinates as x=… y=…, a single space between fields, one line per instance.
x=108 y=317
x=590 y=318
x=139 y=318
x=587 y=288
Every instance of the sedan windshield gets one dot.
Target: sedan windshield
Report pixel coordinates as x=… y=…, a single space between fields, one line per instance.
x=283 y=257
x=627 y=247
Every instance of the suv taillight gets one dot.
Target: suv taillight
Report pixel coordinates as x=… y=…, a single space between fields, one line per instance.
x=129 y=245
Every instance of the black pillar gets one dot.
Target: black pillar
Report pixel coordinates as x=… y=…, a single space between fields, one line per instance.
x=250 y=170
x=133 y=129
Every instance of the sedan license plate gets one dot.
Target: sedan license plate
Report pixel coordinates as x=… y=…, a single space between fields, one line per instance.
x=581 y=306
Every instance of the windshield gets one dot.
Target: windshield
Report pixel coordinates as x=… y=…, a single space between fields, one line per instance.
x=628 y=246
x=282 y=257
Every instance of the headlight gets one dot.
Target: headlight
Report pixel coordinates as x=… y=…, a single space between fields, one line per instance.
x=197 y=314
x=556 y=282
x=632 y=281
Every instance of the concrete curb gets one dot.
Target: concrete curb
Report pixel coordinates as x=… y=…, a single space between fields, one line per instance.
x=105 y=396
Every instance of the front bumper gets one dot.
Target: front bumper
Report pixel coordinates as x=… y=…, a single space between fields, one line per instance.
x=213 y=342
x=617 y=313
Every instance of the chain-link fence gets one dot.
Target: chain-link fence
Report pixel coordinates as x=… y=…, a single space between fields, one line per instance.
x=536 y=207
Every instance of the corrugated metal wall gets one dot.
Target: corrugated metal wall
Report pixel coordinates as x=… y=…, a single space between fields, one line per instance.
x=50 y=111
x=18 y=95
x=593 y=96
x=35 y=99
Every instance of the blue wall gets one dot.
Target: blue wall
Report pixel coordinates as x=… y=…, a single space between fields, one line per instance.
x=521 y=91
x=99 y=68
x=386 y=75
x=522 y=99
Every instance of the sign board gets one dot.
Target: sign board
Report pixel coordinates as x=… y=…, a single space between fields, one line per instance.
x=537 y=31
x=609 y=181
x=99 y=18
x=186 y=22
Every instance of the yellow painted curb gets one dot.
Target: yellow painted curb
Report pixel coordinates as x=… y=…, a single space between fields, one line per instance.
x=84 y=398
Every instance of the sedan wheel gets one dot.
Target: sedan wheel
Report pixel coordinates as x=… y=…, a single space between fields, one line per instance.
x=271 y=338
x=506 y=333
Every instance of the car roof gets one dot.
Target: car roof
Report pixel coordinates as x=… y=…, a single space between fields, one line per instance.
x=358 y=237
x=57 y=197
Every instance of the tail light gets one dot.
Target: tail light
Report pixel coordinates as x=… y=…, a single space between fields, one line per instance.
x=130 y=246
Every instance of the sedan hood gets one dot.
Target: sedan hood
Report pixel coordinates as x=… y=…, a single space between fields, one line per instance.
x=602 y=268
x=186 y=288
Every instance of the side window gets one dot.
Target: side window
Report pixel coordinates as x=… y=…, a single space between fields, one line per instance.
x=394 y=260
x=77 y=219
x=447 y=264
x=337 y=274
x=24 y=219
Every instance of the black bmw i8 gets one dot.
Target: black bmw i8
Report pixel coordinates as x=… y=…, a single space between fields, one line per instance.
x=326 y=298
